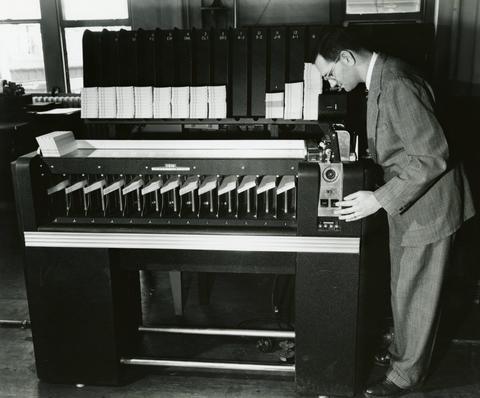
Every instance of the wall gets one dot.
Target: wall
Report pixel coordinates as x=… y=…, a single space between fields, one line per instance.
x=167 y=14
x=285 y=12
x=151 y=14
x=466 y=71
x=458 y=47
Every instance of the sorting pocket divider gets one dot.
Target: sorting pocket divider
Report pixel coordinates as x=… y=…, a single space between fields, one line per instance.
x=152 y=198
x=132 y=197
x=208 y=197
x=189 y=197
x=267 y=197
x=115 y=202
x=228 y=197
x=247 y=197
x=171 y=190
x=286 y=198
x=75 y=199
x=57 y=197
x=93 y=199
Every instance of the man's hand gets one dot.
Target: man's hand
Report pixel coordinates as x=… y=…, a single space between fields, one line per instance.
x=357 y=206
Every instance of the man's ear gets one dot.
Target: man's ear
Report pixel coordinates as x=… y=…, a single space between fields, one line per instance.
x=348 y=57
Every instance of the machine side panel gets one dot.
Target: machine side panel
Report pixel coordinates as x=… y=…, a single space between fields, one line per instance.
x=308 y=186
x=81 y=323
x=28 y=197
x=326 y=302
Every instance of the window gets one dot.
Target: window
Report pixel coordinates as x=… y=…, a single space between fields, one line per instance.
x=20 y=9
x=21 y=44
x=79 y=16
x=382 y=6
x=73 y=42
x=94 y=9
x=30 y=38
x=347 y=11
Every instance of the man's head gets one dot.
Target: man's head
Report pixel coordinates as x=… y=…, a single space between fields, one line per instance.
x=341 y=58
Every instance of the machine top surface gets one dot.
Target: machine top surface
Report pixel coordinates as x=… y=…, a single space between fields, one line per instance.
x=68 y=147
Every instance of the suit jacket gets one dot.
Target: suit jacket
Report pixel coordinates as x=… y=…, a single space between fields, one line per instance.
x=426 y=198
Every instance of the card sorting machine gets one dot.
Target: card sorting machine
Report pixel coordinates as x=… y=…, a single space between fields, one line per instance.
x=94 y=216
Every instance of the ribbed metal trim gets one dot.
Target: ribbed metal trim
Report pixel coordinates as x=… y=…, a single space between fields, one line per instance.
x=223 y=242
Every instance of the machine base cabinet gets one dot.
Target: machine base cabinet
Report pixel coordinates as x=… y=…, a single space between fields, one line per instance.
x=85 y=310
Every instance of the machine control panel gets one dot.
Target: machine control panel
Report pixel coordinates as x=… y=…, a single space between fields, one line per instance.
x=330 y=192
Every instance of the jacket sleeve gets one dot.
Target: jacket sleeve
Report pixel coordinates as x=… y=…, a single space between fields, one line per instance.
x=408 y=112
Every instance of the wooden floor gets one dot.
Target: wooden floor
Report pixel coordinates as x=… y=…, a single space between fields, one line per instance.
x=455 y=370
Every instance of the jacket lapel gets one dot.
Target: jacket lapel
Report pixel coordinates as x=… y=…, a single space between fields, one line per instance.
x=372 y=105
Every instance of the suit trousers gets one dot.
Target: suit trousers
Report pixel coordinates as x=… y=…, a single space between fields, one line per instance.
x=417 y=274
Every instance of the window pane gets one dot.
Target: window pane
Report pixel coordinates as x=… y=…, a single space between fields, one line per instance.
x=19 y=9
x=22 y=56
x=382 y=6
x=73 y=39
x=94 y=9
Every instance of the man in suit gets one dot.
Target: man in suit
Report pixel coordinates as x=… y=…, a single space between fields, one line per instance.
x=426 y=197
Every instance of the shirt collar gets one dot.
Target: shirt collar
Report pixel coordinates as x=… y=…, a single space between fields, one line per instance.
x=370 y=70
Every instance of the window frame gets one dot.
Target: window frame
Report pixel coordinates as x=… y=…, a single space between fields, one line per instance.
x=19 y=21
x=338 y=14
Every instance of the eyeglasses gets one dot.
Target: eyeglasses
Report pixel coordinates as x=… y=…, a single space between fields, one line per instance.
x=329 y=75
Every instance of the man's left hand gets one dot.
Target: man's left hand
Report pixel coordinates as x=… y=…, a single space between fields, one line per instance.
x=357 y=206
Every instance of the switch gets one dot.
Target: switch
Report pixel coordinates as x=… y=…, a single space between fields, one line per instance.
x=323 y=202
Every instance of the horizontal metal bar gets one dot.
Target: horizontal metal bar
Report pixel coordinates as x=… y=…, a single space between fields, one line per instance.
x=79 y=23
x=19 y=21
x=466 y=342
x=7 y=323
x=221 y=332
x=221 y=242
x=209 y=365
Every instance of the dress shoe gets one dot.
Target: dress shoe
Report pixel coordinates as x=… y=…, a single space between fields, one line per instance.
x=385 y=388
x=383 y=358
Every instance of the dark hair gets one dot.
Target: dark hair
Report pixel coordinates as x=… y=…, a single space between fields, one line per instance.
x=332 y=40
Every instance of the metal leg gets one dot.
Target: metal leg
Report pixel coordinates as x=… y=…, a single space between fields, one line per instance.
x=176 y=286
